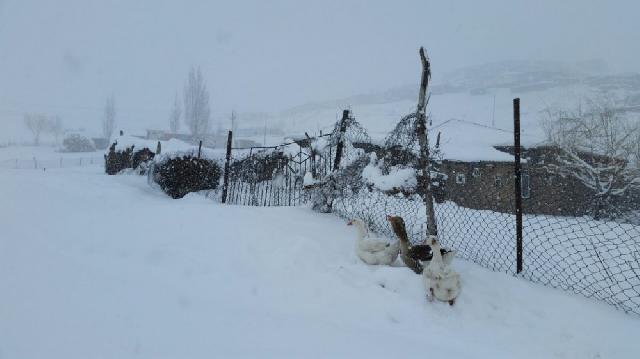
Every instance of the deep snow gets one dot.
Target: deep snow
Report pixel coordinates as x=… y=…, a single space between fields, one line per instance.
x=96 y=266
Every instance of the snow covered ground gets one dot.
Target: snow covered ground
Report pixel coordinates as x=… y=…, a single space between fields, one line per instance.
x=39 y=157
x=96 y=266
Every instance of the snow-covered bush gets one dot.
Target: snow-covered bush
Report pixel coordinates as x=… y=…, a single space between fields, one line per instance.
x=141 y=157
x=78 y=143
x=129 y=152
x=261 y=166
x=179 y=175
x=116 y=161
x=398 y=179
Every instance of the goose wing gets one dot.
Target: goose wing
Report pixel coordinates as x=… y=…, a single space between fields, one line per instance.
x=420 y=252
x=374 y=245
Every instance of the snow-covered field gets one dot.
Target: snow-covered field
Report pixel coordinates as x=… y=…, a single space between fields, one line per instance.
x=39 y=157
x=96 y=266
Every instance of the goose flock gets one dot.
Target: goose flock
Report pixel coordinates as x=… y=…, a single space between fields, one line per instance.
x=428 y=259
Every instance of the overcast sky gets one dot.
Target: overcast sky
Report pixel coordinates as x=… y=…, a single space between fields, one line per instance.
x=66 y=56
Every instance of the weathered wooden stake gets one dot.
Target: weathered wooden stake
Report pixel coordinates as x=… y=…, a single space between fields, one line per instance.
x=340 y=144
x=225 y=185
x=199 y=148
x=424 y=173
x=518 y=182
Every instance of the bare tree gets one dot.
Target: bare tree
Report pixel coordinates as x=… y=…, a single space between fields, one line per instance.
x=109 y=119
x=174 y=117
x=37 y=124
x=196 y=103
x=56 y=128
x=596 y=148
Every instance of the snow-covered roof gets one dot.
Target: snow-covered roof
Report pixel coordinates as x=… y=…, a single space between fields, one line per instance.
x=172 y=145
x=126 y=141
x=467 y=141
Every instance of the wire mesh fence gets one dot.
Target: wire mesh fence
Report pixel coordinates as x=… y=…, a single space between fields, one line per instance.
x=275 y=176
x=564 y=246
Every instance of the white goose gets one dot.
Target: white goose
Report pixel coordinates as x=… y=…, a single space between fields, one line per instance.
x=442 y=282
x=374 y=250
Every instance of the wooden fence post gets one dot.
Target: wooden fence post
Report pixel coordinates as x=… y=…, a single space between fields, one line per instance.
x=199 y=148
x=340 y=144
x=225 y=185
x=424 y=172
x=518 y=182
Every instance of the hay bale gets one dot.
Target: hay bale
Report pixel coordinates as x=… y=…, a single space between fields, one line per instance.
x=180 y=175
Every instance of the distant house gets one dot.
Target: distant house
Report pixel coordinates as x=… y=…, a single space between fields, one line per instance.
x=208 y=140
x=478 y=162
x=101 y=143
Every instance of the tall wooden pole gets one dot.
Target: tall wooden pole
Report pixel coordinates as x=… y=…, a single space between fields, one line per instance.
x=424 y=173
x=518 y=182
x=340 y=144
x=225 y=184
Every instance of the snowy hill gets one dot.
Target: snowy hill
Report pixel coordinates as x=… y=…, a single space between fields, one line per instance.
x=124 y=271
x=481 y=94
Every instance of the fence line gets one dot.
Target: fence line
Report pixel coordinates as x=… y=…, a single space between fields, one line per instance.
x=476 y=214
x=62 y=162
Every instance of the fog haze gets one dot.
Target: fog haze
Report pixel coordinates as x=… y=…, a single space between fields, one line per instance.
x=65 y=57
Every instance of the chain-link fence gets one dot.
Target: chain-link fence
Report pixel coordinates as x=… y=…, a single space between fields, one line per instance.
x=475 y=209
x=564 y=247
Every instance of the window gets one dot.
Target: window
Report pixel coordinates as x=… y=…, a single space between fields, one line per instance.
x=498 y=181
x=476 y=172
x=526 y=185
x=460 y=178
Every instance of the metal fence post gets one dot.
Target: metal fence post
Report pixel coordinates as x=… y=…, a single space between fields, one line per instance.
x=225 y=185
x=518 y=182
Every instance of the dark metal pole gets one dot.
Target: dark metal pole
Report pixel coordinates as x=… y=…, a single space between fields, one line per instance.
x=225 y=185
x=199 y=148
x=518 y=182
